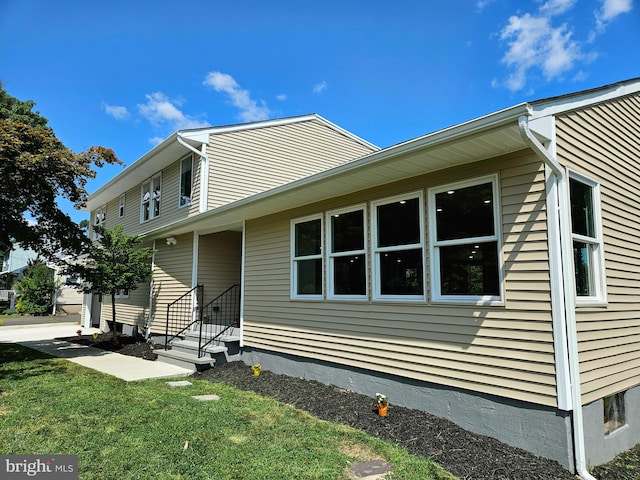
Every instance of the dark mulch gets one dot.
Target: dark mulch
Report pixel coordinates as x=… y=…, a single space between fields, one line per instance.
x=465 y=454
x=126 y=345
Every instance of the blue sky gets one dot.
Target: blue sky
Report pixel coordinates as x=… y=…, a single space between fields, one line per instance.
x=126 y=75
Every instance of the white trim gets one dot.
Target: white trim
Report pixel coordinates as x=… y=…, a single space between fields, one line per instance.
x=435 y=244
x=599 y=296
x=293 y=275
x=147 y=332
x=376 y=251
x=331 y=295
x=242 y=281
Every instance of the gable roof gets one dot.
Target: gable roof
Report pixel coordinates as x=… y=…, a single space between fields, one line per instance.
x=485 y=137
x=171 y=149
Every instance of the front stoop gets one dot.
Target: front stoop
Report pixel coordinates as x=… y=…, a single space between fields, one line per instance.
x=184 y=353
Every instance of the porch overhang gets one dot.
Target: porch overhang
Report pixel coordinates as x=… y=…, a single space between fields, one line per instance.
x=479 y=139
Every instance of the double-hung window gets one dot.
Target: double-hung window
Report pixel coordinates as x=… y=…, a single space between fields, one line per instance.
x=121 y=206
x=98 y=221
x=397 y=242
x=465 y=242
x=306 y=255
x=186 y=180
x=586 y=235
x=346 y=258
x=150 y=202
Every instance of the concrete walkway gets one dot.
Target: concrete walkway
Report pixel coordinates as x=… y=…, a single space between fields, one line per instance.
x=42 y=337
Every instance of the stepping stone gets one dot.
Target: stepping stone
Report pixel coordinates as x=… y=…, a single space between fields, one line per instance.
x=373 y=470
x=207 y=398
x=180 y=383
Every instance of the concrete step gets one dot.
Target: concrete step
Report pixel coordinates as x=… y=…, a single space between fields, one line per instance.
x=185 y=360
x=190 y=346
x=229 y=338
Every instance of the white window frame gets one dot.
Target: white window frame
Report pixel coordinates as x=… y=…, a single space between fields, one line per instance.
x=330 y=256
x=155 y=194
x=596 y=258
x=122 y=293
x=99 y=219
x=182 y=202
x=295 y=259
x=434 y=244
x=377 y=251
x=121 y=206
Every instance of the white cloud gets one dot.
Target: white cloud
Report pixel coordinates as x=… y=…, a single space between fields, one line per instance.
x=117 y=112
x=156 y=141
x=161 y=111
x=534 y=43
x=556 y=7
x=609 y=10
x=282 y=97
x=320 y=87
x=250 y=110
x=542 y=43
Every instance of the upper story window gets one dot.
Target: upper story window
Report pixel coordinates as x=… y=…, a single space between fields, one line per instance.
x=150 y=198
x=398 y=246
x=186 y=180
x=121 y=206
x=98 y=220
x=347 y=258
x=306 y=254
x=586 y=235
x=465 y=247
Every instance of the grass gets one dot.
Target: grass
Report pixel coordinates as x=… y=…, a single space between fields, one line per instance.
x=149 y=430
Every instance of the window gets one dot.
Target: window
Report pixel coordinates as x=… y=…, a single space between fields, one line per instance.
x=306 y=265
x=464 y=234
x=98 y=220
x=186 y=180
x=398 y=240
x=122 y=293
x=121 y=207
x=614 y=415
x=150 y=206
x=588 y=258
x=347 y=260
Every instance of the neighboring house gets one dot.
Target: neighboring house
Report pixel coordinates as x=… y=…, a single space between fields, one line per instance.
x=14 y=263
x=487 y=273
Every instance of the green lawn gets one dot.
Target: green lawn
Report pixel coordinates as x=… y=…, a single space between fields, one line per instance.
x=149 y=430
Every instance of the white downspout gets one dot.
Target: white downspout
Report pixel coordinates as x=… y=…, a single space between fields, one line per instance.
x=204 y=171
x=569 y=289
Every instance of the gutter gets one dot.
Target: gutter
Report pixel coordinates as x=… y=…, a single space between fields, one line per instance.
x=565 y=266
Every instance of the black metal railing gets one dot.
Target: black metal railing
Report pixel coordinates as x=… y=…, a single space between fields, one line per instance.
x=219 y=316
x=183 y=313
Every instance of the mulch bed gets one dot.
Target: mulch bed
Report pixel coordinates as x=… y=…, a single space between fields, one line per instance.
x=465 y=454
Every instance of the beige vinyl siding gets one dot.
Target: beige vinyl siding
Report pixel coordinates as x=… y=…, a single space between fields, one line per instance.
x=503 y=350
x=247 y=162
x=172 y=275
x=219 y=262
x=603 y=143
x=131 y=311
x=169 y=206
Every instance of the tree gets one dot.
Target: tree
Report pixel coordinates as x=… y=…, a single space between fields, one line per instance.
x=36 y=168
x=113 y=263
x=36 y=289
